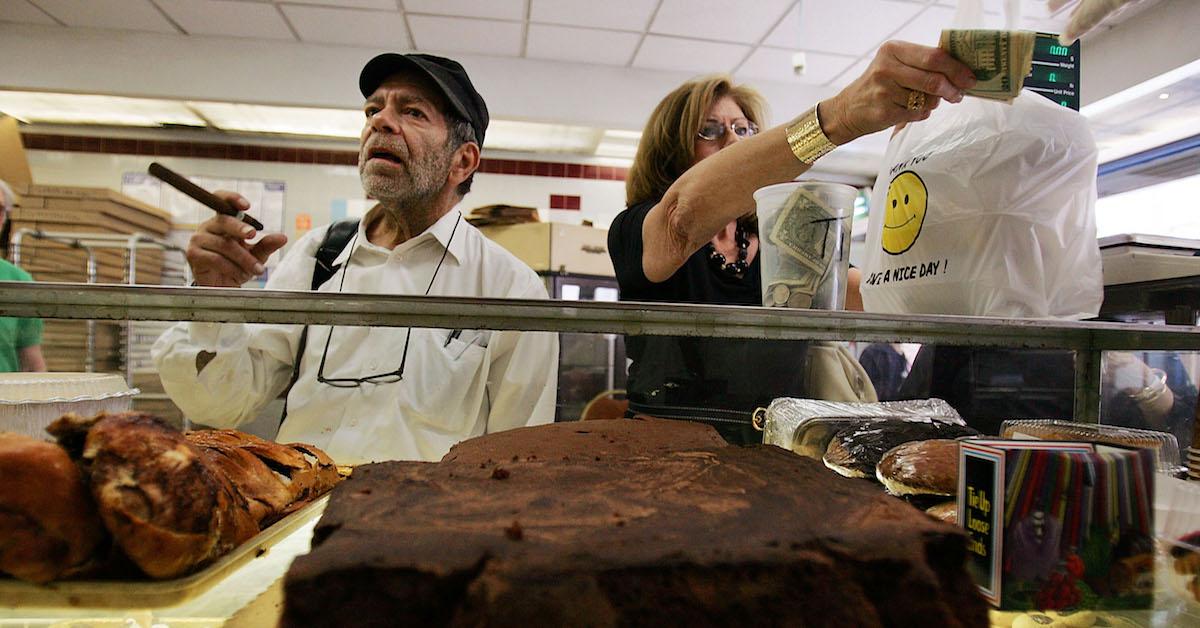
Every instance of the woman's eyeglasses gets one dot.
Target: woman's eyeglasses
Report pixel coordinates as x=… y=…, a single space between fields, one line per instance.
x=714 y=130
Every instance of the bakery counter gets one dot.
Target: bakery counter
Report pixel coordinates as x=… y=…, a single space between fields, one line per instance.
x=251 y=597
x=252 y=590
x=1086 y=341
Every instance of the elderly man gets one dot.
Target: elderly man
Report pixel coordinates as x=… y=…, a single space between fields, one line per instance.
x=364 y=394
x=20 y=338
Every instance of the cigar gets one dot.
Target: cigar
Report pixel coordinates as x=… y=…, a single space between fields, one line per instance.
x=208 y=199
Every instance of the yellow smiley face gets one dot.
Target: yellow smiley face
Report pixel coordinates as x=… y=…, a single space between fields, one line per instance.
x=904 y=213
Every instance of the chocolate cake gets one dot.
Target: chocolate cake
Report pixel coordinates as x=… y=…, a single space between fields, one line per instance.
x=855 y=451
x=701 y=535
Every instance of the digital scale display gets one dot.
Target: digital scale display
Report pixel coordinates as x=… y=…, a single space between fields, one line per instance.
x=1055 y=72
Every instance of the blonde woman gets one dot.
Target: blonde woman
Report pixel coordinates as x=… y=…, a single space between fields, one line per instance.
x=688 y=233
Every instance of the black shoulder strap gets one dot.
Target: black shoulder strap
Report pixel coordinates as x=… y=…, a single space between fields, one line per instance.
x=336 y=238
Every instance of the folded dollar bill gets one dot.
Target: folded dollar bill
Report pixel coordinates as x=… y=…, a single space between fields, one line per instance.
x=1000 y=59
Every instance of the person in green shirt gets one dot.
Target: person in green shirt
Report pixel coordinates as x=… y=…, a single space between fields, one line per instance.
x=20 y=338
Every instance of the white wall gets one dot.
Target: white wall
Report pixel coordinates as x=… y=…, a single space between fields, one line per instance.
x=1167 y=209
x=312 y=189
x=1155 y=41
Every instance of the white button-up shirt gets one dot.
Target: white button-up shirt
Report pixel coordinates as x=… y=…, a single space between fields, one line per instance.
x=456 y=384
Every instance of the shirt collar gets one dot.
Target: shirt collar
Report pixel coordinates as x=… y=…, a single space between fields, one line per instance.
x=440 y=231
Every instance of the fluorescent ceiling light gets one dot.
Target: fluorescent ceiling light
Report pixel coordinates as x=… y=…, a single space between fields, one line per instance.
x=615 y=149
x=502 y=135
x=619 y=134
x=541 y=138
x=95 y=109
x=343 y=123
x=618 y=143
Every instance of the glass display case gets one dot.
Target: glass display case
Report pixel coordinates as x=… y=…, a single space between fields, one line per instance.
x=1083 y=344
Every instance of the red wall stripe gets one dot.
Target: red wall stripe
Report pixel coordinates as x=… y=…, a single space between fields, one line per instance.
x=247 y=152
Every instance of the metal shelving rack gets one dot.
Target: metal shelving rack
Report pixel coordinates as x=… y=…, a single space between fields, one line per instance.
x=130 y=303
x=129 y=244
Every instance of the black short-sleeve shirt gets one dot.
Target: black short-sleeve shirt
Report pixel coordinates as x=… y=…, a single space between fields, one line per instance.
x=719 y=381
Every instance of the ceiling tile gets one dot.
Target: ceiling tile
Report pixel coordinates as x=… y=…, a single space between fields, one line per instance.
x=348 y=26
x=228 y=18
x=583 y=45
x=1044 y=25
x=630 y=15
x=1036 y=9
x=1029 y=8
x=688 y=55
x=989 y=6
x=840 y=27
x=927 y=28
x=497 y=9
x=453 y=34
x=22 y=12
x=786 y=33
x=775 y=64
x=847 y=77
x=135 y=15
x=745 y=21
x=379 y=5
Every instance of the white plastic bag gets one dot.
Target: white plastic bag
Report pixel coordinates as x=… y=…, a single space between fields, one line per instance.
x=987 y=209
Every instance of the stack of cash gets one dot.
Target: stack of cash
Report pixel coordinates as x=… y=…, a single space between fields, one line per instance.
x=1000 y=59
x=805 y=236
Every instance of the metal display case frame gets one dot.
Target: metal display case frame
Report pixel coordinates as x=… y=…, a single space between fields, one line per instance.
x=1088 y=340
x=257 y=587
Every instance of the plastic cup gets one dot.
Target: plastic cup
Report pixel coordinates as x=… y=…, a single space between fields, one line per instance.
x=804 y=243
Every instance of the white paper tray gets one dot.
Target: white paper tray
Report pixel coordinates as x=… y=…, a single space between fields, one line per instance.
x=150 y=594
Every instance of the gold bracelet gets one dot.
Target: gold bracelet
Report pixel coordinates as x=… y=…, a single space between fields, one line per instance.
x=806 y=138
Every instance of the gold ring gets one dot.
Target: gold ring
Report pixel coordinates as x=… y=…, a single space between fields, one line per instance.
x=916 y=100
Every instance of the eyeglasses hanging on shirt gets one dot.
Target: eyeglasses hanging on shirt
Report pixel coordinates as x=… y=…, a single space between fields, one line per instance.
x=390 y=376
x=715 y=130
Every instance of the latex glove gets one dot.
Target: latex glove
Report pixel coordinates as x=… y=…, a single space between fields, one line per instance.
x=1086 y=16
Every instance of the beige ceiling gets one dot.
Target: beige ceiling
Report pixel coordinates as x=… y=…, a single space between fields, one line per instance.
x=753 y=39
x=598 y=63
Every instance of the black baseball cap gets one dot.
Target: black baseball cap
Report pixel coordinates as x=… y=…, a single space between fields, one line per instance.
x=447 y=74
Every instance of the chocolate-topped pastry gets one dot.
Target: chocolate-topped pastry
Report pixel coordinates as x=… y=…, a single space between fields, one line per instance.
x=921 y=467
x=945 y=511
x=855 y=451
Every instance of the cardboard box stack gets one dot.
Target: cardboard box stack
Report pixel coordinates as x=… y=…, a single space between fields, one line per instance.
x=86 y=211
x=90 y=211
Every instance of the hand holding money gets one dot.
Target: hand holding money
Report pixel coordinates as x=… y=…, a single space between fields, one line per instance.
x=1000 y=59
x=879 y=99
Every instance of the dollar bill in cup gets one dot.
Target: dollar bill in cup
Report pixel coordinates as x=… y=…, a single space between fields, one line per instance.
x=804 y=232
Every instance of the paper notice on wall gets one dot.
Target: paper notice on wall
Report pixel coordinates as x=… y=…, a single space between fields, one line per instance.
x=271 y=208
x=267 y=198
x=184 y=211
x=142 y=187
